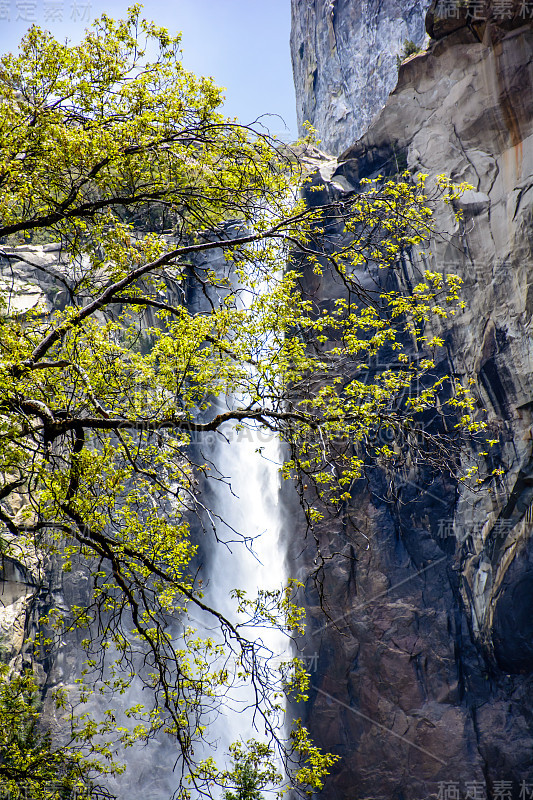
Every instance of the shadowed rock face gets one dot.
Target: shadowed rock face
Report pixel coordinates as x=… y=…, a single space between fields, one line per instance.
x=427 y=674
x=344 y=61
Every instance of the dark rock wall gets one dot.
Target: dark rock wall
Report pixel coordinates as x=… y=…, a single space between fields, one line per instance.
x=423 y=679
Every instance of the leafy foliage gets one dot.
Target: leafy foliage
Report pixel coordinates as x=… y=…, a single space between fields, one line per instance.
x=409 y=49
x=30 y=767
x=176 y=226
x=251 y=771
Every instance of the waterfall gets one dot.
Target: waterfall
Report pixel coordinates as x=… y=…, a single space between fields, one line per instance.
x=246 y=505
x=244 y=498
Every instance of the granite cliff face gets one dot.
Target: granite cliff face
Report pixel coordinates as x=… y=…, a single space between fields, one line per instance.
x=344 y=61
x=424 y=678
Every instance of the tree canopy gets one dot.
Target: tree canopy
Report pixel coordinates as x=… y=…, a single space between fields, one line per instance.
x=252 y=771
x=183 y=242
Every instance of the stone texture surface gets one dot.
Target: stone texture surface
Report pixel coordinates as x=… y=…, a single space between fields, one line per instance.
x=344 y=61
x=425 y=674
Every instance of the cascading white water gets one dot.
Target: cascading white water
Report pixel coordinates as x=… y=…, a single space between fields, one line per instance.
x=246 y=504
x=248 y=551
